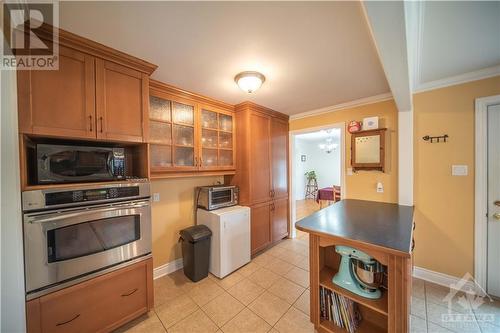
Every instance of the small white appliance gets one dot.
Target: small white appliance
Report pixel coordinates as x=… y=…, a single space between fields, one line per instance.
x=230 y=244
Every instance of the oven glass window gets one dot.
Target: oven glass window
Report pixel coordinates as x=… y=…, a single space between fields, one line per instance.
x=79 y=163
x=92 y=237
x=220 y=197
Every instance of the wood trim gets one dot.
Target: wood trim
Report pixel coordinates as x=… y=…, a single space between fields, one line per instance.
x=155 y=174
x=247 y=105
x=149 y=284
x=356 y=243
x=96 y=49
x=314 y=268
x=167 y=88
x=33 y=316
x=145 y=108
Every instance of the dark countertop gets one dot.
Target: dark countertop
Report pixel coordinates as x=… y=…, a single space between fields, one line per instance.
x=381 y=224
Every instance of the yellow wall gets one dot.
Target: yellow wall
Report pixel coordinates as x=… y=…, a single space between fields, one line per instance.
x=362 y=185
x=173 y=212
x=444 y=205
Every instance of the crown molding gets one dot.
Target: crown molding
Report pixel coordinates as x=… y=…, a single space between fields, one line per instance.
x=459 y=79
x=343 y=106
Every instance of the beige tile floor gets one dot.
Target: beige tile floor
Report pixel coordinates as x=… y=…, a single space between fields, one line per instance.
x=428 y=306
x=270 y=294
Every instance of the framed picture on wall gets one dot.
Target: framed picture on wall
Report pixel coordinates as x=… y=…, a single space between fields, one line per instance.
x=303 y=158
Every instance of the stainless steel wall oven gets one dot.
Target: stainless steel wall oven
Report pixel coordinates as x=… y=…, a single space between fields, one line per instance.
x=71 y=234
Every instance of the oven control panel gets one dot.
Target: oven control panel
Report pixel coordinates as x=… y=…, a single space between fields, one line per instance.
x=90 y=195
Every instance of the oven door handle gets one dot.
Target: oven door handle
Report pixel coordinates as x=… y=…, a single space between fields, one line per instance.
x=58 y=216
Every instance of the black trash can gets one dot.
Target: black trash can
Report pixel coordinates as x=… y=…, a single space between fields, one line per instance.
x=196 y=251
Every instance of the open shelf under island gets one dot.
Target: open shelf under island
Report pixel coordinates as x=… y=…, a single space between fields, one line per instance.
x=384 y=231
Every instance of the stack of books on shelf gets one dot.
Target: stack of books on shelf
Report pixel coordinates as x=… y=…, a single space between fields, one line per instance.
x=341 y=310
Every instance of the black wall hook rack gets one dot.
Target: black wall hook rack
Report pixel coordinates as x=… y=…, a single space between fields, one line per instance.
x=436 y=138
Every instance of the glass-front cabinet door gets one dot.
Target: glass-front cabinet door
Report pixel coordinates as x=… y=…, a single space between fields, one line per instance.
x=171 y=134
x=216 y=149
x=187 y=136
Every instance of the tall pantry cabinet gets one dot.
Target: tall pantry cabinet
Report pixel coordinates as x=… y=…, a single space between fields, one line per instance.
x=262 y=171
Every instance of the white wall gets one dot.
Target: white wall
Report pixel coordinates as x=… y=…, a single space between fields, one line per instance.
x=12 y=319
x=327 y=166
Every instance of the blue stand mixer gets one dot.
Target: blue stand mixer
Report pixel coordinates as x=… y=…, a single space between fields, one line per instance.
x=359 y=273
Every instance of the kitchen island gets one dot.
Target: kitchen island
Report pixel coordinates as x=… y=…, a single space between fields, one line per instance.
x=384 y=231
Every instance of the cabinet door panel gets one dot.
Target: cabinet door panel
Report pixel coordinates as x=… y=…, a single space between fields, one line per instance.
x=279 y=161
x=260 y=227
x=279 y=219
x=260 y=166
x=59 y=102
x=121 y=95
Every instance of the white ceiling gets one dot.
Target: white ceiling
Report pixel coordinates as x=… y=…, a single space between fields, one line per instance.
x=313 y=54
x=457 y=38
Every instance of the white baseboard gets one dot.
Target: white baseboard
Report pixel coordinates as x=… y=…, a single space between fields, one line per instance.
x=168 y=268
x=444 y=280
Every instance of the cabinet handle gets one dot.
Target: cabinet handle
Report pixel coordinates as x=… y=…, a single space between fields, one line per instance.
x=201 y=161
x=274 y=193
x=271 y=193
x=90 y=122
x=100 y=119
x=130 y=293
x=68 y=321
x=196 y=161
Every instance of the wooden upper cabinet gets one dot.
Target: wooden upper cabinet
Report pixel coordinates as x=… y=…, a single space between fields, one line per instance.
x=96 y=93
x=59 y=102
x=188 y=134
x=260 y=152
x=217 y=143
x=279 y=159
x=122 y=95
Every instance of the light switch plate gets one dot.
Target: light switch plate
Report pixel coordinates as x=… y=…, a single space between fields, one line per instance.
x=459 y=170
x=156 y=197
x=349 y=171
x=380 y=187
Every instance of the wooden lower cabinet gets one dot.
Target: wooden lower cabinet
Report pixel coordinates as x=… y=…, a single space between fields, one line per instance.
x=269 y=223
x=279 y=219
x=97 y=305
x=260 y=228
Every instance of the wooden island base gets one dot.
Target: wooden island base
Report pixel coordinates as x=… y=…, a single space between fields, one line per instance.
x=360 y=225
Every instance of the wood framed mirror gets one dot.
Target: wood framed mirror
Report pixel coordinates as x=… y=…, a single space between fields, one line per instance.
x=368 y=150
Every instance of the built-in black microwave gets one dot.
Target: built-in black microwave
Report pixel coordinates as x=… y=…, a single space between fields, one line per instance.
x=56 y=164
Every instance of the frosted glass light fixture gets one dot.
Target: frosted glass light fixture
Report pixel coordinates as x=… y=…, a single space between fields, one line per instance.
x=249 y=81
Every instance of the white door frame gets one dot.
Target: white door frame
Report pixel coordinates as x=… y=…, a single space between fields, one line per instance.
x=291 y=143
x=481 y=189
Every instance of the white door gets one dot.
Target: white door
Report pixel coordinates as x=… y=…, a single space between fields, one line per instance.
x=493 y=279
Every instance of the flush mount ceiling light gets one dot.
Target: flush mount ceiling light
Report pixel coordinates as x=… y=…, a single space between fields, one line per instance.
x=249 y=81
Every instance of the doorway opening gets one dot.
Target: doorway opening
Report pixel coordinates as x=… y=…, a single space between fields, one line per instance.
x=317 y=174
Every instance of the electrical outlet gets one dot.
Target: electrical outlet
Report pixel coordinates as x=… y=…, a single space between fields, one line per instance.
x=156 y=197
x=380 y=187
x=459 y=170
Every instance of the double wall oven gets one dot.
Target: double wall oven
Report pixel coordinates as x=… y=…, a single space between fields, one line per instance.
x=73 y=234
